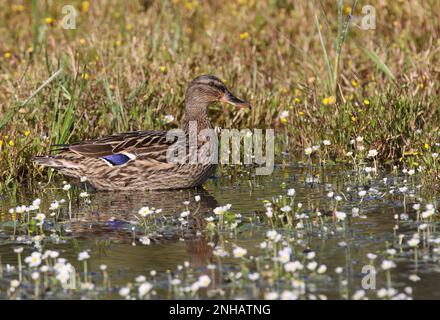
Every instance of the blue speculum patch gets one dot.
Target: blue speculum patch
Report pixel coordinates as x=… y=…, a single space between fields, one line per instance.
x=117 y=159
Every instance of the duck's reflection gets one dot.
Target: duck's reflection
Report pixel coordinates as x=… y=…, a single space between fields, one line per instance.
x=110 y=214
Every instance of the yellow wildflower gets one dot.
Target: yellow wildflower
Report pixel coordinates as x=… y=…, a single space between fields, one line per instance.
x=244 y=35
x=30 y=50
x=82 y=41
x=331 y=100
x=297 y=100
x=85 y=76
x=11 y=143
x=163 y=69
x=7 y=55
x=347 y=10
x=354 y=83
x=325 y=101
x=366 y=102
x=48 y=20
x=426 y=146
x=17 y=7
x=27 y=133
x=1 y=143
x=300 y=113
x=85 y=5
x=353 y=118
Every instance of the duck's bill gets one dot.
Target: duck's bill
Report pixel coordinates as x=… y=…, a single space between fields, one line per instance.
x=228 y=97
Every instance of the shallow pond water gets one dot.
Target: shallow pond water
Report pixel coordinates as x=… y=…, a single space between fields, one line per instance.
x=183 y=247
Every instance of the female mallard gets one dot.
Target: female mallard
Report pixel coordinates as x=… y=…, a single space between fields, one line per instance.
x=138 y=160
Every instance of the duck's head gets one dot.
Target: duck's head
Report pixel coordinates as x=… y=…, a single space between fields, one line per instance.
x=206 y=89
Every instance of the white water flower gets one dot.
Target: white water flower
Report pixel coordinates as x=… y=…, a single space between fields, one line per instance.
x=34 y=260
x=239 y=252
x=83 y=194
x=414 y=242
x=36 y=203
x=273 y=235
x=222 y=210
x=289 y=295
x=269 y=212
x=140 y=279
x=197 y=198
x=204 y=281
x=293 y=266
x=322 y=269
x=286 y=209
x=284 y=115
x=371 y=256
x=414 y=278
x=67 y=187
x=21 y=209
x=311 y=255
x=18 y=250
x=312 y=265
x=124 y=291
x=254 y=276
x=15 y=283
x=271 y=296
x=145 y=240
x=359 y=139
x=308 y=151
x=372 y=153
x=40 y=218
x=219 y=252
x=340 y=215
x=387 y=264
x=291 y=192
x=145 y=211
x=416 y=206
x=84 y=255
x=54 y=206
x=359 y=294
x=362 y=193
x=339 y=270
x=326 y=142
x=144 y=288
x=428 y=213
x=167 y=119
x=184 y=214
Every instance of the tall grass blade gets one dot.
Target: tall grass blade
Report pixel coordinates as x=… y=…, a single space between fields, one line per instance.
x=379 y=63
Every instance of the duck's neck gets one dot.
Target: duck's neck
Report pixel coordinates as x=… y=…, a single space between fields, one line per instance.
x=196 y=115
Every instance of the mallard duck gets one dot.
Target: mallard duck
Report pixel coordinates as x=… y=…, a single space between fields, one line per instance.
x=138 y=160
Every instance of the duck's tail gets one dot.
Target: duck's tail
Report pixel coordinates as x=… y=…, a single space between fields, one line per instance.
x=53 y=162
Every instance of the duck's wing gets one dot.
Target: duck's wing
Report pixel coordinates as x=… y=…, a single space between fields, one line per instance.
x=120 y=148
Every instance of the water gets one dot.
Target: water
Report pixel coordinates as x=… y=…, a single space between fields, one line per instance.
x=105 y=228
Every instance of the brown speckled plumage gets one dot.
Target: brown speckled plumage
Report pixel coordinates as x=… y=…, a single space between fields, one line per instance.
x=148 y=168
